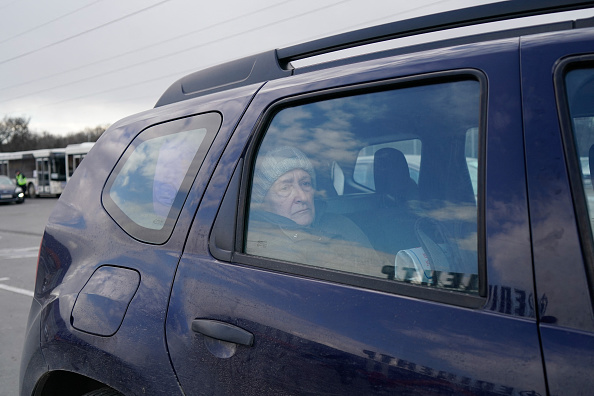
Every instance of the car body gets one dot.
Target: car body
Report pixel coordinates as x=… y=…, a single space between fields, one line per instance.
x=154 y=278
x=9 y=192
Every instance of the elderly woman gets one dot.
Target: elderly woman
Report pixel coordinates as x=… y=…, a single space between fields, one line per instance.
x=285 y=223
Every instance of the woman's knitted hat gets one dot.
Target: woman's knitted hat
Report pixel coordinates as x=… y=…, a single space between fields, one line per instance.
x=273 y=165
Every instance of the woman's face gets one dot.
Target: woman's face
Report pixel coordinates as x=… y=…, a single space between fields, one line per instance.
x=291 y=196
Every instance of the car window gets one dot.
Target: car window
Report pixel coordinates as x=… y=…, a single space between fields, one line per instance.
x=145 y=192
x=339 y=184
x=363 y=172
x=579 y=85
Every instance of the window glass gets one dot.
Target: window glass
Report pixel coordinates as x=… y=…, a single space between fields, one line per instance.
x=339 y=184
x=363 y=172
x=149 y=181
x=580 y=96
x=145 y=192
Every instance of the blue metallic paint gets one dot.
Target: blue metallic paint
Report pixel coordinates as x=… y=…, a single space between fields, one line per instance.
x=102 y=303
x=76 y=255
x=306 y=328
x=315 y=336
x=565 y=304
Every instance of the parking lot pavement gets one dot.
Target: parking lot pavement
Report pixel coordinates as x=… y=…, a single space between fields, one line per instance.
x=21 y=229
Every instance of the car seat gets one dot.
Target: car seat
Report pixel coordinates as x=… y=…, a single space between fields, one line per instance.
x=392 y=177
x=390 y=227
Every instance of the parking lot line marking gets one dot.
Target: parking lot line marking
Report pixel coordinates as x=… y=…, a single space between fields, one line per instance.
x=4 y=279
x=35 y=234
x=16 y=290
x=19 y=253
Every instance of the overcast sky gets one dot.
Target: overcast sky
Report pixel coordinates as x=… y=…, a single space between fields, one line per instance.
x=72 y=64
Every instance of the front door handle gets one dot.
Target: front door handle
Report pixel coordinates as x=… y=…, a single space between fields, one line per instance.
x=223 y=331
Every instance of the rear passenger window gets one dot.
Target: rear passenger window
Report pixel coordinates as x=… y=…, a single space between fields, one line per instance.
x=145 y=192
x=377 y=184
x=579 y=84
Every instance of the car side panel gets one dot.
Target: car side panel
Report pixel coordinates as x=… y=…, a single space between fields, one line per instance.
x=565 y=310
x=81 y=237
x=313 y=336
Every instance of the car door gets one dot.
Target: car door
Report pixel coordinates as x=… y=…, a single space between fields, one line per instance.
x=557 y=75
x=255 y=314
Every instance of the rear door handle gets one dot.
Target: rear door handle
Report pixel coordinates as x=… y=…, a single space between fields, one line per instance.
x=223 y=331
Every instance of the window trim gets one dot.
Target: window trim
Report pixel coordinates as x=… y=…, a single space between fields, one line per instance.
x=351 y=279
x=572 y=159
x=212 y=124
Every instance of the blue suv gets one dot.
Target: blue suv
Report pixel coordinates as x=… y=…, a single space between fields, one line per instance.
x=413 y=221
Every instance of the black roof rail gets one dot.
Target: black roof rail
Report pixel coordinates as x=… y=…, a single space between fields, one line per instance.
x=430 y=23
x=276 y=63
x=249 y=70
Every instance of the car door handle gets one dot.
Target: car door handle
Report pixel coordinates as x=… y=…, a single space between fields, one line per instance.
x=223 y=331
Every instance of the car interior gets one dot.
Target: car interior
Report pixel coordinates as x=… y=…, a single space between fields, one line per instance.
x=406 y=174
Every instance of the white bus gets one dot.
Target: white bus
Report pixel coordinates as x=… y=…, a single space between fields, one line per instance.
x=74 y=155
x=46 y=170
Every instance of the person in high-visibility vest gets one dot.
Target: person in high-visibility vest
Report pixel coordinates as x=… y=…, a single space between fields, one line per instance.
x=21 y=181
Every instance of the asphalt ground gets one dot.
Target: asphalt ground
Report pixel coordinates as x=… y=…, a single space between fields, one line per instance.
x=21 y=229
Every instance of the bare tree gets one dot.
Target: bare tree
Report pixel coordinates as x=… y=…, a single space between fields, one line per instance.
x=11 y=127
x=16 y=136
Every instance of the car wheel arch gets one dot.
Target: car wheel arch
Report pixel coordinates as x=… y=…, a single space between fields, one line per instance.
x=66 y=383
